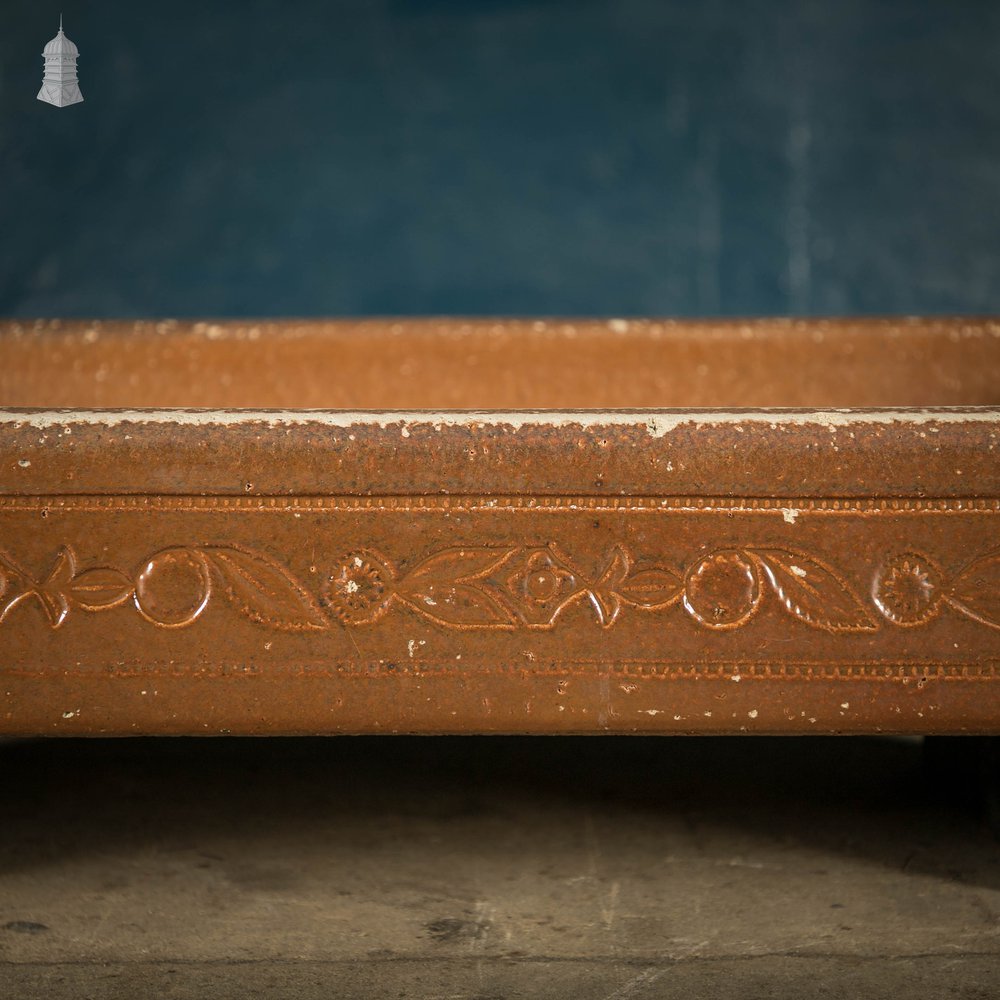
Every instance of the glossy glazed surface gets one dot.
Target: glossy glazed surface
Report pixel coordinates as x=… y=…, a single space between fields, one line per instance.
x=606 y=570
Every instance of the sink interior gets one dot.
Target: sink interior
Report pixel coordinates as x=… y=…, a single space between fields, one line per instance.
x=499 y=364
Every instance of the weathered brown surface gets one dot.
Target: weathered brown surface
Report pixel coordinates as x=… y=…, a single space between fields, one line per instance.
x=618 y=570
x=501 y=364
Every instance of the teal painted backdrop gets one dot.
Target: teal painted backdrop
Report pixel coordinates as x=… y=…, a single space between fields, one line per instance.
x=611 y=157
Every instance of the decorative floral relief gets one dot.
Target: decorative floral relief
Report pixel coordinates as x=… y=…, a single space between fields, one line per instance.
x=492 y=587
x=907 y=589
x=170 y=589
x=910 y=589
x=506 y=587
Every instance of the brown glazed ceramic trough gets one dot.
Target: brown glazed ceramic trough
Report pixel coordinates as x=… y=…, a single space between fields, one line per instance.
x=495 y=526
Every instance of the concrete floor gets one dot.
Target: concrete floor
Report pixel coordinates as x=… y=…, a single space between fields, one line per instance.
x=491 y=868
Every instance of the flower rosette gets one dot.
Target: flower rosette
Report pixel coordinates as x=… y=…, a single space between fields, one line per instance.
x=359 y=588
x=907 y=589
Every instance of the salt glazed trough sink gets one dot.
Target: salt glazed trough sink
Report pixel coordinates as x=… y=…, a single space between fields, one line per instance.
x=500 y=526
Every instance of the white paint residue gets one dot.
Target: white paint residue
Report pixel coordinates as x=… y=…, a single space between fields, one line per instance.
x=752 y=713
x=797 y=570
x=656 y=422
x=651 y=711
x=23 y=463
x=789 y=514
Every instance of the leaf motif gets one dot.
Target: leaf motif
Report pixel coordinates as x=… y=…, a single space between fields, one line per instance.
x=461 y=565
x=53 y=590
x=812 y=592
x=460 y=604
x=975 y=591
x=263 y=590
x=651 y=588
x=15 y=584
x=606 y=605
x=100 y=588
x=617 y=569
x=63 y=570
x=9 y=570
x=606 y=594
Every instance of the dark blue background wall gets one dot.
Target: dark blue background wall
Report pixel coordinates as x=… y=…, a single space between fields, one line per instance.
x=605 y=157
